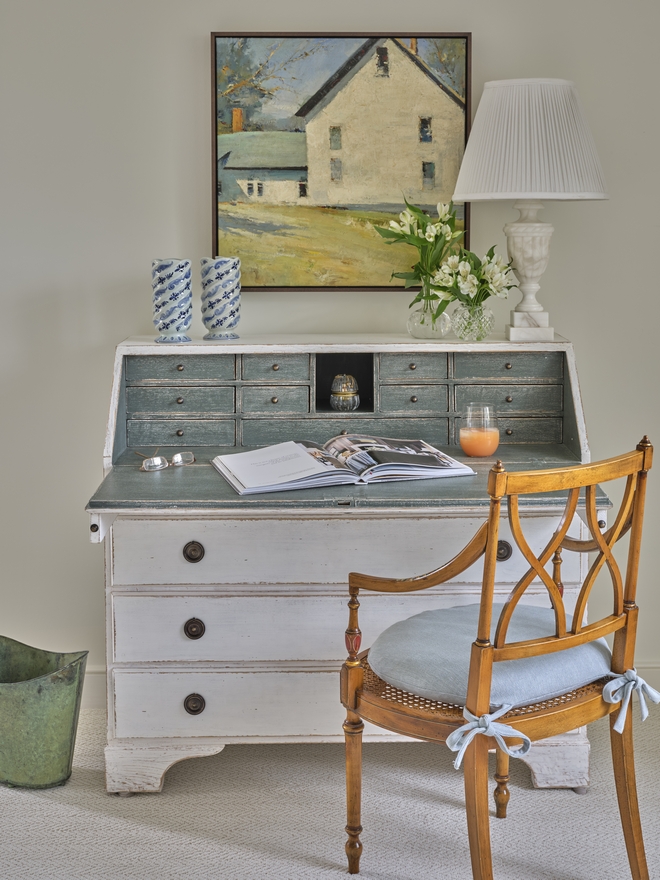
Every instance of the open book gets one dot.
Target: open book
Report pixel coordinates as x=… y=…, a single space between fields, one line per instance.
x=349 y=458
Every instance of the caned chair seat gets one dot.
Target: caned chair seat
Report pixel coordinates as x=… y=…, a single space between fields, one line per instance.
x=429 y=655
x=501 y=676
x=377 y=690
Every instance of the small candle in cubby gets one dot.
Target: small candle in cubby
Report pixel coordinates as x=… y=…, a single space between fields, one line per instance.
x=479 y=435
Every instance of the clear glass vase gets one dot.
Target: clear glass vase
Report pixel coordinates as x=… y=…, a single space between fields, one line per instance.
x=473 y=322
x=422 y=324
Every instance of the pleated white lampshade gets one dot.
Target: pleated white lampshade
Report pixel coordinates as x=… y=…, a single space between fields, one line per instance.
x=530 y=140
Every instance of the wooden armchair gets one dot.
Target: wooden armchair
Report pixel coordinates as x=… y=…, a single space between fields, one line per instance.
x=530 y=673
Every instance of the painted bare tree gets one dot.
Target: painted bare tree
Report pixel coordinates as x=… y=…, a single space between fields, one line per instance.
x=250 y=74
x=447 y=57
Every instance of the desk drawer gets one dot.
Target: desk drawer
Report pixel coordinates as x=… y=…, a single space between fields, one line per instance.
x=413 y=366
x=280 y=367
x=276 y=399
x=514 y=430
x=176 y=401
x=261 y=432
x=179 y=432
x=509 y=365
x=151 y=704
x=290 y=550
x=512 y=399
x=257 y=628
x=180 y=368
x=411 y=399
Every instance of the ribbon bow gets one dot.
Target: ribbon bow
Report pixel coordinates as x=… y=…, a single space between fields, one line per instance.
x=621 y=688
x=458 y=740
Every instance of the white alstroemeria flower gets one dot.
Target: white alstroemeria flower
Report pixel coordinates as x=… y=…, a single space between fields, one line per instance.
x=430 y=232
x=446 y=231
x=452 y=262
x=443 y=212
x=464 y=269
x=395 y=226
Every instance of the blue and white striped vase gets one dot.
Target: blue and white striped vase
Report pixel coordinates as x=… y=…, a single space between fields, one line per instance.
x=172 y=285
x=221 y=296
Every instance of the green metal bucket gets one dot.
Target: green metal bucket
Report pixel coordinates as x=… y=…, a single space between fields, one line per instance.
x=40 y=695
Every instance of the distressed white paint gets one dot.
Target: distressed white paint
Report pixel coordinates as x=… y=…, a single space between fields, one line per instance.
x=311 y=550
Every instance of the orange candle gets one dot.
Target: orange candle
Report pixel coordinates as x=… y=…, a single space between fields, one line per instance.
x=479 y=442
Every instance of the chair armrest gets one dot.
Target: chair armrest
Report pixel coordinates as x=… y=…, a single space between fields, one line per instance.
x=467 y=557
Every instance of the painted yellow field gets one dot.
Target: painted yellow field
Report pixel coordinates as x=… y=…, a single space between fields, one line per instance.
x=293 y=246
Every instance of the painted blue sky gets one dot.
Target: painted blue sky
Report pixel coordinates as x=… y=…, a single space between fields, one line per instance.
x=300 y=66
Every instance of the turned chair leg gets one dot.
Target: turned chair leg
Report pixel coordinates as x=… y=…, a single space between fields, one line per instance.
x=501 y=793
x=353 y=727
x=626 y=789
x=475 y=764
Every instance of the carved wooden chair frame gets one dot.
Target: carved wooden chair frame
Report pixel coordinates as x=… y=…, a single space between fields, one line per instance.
x=367 y=697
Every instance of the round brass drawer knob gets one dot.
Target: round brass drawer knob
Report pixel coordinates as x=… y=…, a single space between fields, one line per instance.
x=413 y=366
x=274 y=400
x=509 y=399
x=179 y=433
x=95 y=527
x=413 y=399
x=601 y=523
x=194 y=704
x=276 y=367
x=193 y=551
x=504 y=550
x=179 y=400
x=507 y=366
x=508 y=432
x=179 y=367
x=194 y=628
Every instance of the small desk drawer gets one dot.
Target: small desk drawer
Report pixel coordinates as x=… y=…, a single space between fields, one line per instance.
x=412 y=399
x=261 y=432
x=514 y=430
x=276 y=367
x=512 y=399
x=174 y=402
x=413 y=366
x=276 y=399
x=509 y=365
x=179 y=432
x=180 y=368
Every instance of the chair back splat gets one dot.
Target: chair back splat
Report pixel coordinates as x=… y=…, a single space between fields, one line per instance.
x=503 y=674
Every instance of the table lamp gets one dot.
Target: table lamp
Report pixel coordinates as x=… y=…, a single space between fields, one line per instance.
x=529 y=141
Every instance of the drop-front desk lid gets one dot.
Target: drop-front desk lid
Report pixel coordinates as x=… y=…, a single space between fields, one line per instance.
x=200 y=487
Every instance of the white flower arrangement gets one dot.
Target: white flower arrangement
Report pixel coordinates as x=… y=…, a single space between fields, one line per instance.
x=470 y=280
x=434 y=240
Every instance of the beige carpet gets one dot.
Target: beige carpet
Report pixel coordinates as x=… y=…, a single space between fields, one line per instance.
x=277 y=811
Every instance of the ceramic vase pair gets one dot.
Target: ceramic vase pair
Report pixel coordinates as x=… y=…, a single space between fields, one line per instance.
x=172 y=298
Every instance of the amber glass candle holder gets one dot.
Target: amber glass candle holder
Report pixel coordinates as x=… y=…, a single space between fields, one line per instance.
x=479 y=435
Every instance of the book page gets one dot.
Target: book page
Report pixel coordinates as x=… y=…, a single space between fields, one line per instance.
x=281 y=463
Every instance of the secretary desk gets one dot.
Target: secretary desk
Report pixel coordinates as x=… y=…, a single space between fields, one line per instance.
x=225 y=614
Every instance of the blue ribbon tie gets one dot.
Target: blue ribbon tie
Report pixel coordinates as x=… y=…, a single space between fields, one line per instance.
x=459 y=739
x=621 y=689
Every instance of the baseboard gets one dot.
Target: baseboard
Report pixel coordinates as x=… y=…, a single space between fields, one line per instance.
x=94 y=688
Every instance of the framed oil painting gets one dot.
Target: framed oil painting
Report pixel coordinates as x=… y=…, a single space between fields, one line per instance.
x=317 y=140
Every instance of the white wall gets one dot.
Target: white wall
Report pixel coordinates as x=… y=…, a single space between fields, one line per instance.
x=105 y=163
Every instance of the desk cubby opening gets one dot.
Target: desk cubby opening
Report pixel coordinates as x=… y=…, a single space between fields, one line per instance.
x=359 y=365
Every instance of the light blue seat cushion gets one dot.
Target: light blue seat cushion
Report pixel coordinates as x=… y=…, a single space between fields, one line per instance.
x=429 y=655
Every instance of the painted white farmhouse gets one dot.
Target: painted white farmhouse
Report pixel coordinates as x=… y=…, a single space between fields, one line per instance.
x=383 y=126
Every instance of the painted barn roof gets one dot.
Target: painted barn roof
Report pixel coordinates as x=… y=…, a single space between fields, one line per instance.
x=336 y=81
x=246 y=150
